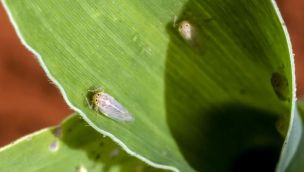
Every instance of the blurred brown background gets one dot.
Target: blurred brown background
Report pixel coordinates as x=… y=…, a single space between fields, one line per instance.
x=28 y=101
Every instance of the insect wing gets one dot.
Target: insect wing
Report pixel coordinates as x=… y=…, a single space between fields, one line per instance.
x=113 y=109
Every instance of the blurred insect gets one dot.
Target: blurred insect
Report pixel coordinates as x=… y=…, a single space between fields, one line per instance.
x=106 y=104
x=185 y=29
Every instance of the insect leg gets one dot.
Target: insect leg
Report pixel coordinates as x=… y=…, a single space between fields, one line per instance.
x=174 y=21
x=89 y=104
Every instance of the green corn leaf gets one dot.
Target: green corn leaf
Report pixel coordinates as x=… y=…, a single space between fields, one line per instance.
x=71 y=146
x=208 y=82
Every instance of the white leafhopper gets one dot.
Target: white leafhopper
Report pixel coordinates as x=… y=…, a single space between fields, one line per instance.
x=185 y=30
x=106 y=104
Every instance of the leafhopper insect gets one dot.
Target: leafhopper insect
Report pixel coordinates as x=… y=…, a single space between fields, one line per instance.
x=107 y=105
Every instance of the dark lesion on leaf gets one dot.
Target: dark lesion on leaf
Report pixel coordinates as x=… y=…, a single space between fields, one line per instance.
x=280 y=86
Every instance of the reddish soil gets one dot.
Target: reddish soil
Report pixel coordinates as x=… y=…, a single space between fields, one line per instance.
x=293 y=14
x=30 y=102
